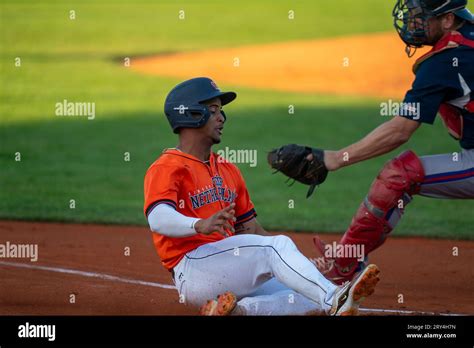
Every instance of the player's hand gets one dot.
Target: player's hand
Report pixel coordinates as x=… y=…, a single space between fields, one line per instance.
x=219 y=222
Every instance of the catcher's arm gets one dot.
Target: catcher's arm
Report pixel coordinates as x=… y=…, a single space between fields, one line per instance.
x=383 y=139
x=251 y=227
x=310 y=166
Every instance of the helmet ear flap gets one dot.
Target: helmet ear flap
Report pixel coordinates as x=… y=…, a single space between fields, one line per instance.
x=185 y=103
x=186 y=116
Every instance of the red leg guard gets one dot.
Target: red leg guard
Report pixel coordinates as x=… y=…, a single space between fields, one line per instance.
x=369 y=226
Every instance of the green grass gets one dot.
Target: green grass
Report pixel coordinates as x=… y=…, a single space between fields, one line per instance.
x=104 y=28
x=73 y=158
x=84 y=160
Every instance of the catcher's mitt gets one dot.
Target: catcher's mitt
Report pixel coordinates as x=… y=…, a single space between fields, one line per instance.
x=291 y=160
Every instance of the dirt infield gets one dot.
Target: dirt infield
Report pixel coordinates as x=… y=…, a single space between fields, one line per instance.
x=89 y=262
x=363 y=65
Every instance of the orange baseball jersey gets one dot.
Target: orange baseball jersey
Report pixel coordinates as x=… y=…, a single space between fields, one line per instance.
x=195 y=189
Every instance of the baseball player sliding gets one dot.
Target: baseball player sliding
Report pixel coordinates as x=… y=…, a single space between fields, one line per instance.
x=444 y=83
x=205 y=228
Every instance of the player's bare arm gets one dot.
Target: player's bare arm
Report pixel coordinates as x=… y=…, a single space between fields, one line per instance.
x=251 y=227
x=383 y=139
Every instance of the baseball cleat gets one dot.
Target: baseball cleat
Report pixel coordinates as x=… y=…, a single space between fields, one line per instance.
x=348 y=298
x=330 y=269
x=223 y=305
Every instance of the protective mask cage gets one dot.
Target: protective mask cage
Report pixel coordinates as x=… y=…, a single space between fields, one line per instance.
x=411 y=23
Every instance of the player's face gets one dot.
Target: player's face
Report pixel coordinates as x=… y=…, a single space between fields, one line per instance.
x=434 y=27
x=439 y=26
x=435 y=31
x=215 y=125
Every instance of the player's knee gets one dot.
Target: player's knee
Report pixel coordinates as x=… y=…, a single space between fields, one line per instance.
x=403 y=174
x=403 y=171
x=282 y=242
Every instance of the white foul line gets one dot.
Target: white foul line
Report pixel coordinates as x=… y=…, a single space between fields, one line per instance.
x=165 y=286
x=401 y=311
x=87 y=274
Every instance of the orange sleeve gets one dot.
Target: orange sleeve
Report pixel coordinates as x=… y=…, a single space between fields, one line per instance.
x=244 y=208
x=161 y=186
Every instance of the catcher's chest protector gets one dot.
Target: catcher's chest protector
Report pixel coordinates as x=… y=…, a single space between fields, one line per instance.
x=452 y=116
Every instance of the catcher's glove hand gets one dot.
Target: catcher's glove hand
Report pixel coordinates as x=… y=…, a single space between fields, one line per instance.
x=292 y=161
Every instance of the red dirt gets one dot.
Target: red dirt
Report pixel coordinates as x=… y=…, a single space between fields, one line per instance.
x=339 y=65
x=422 y=270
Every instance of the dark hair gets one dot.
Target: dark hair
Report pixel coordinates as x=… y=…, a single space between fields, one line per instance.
x=458 y=21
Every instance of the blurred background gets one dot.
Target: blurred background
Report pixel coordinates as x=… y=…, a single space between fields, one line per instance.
x=82 y=59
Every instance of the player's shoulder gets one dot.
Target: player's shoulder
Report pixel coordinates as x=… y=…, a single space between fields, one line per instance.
x=449 y=60
x=437 y=63
x=467 y=30
x=442 y=68
x=167 y=161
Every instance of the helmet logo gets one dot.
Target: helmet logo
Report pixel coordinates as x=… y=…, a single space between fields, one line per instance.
x=213 y=84
x=181 y=109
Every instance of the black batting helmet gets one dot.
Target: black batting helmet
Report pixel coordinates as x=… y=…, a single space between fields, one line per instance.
x=184 y=106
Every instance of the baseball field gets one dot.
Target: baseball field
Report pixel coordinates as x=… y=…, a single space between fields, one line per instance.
x=307 y=72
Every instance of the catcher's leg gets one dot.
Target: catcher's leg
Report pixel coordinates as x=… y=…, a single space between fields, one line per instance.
x=399 y=179
x=449 y=175
x=443 y=176
x=446 y=176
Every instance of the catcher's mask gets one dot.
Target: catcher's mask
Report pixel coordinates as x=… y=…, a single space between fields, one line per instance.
x=411 y=18
x=184 y=105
